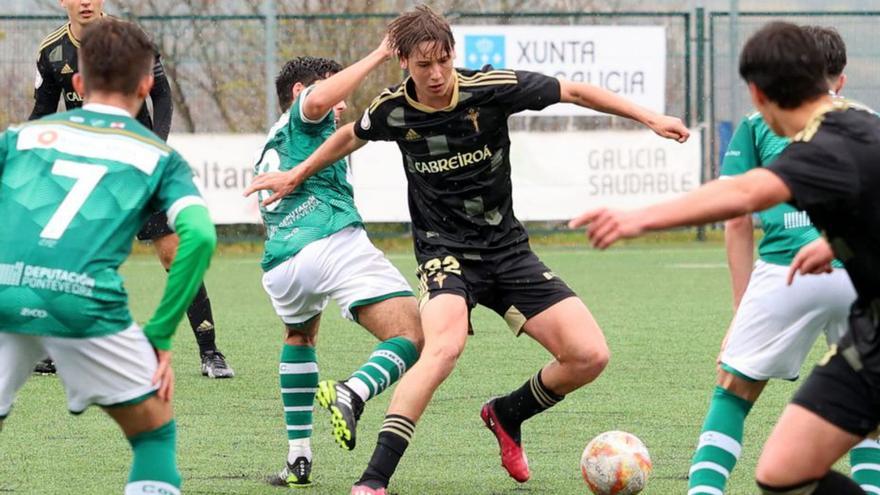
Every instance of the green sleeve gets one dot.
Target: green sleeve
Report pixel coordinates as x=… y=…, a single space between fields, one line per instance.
x=302 y=123
x=197 y=242
x=741 y=155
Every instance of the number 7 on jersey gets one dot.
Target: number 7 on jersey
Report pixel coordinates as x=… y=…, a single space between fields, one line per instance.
x=87 y=177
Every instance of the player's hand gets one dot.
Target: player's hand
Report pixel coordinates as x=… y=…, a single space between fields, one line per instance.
x=670 y=128
x=164 y=376
x=812 y=259
x=385 y=48
x=280 y=184
x=605 y=227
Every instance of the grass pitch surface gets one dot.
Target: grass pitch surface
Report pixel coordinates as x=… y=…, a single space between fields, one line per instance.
x=664 y=311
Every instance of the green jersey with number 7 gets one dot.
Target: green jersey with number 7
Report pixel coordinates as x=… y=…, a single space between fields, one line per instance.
x=75 y=187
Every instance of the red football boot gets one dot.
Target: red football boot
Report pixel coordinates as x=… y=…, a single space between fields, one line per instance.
x=513 y=457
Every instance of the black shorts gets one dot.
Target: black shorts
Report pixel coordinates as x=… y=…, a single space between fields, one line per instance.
x=155 y=227
x=515 y=284
x=844 y=389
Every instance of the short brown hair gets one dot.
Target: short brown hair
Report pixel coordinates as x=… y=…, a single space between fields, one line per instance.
x=114 y=56
x=418 y=26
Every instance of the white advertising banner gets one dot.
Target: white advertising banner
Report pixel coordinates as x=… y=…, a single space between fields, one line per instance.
x=628 y=60
x=555 y=175
x=223 y=166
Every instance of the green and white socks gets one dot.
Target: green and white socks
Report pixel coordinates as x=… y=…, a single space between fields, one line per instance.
x=298 y=373
x=154 y=464
x=720 y=443
x=865 y=461
x=388 y=362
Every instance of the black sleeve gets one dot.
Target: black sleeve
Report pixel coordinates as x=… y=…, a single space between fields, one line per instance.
x=161 y=98
x=373 y=124
x=817 y=178
x=532 y=91
x=47 y=90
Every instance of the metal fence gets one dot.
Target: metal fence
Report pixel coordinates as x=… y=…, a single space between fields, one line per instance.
x=728 y=95
x=221 y=67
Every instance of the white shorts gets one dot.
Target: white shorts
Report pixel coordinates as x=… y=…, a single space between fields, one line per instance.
x=344 y=266
x=105 y=371
x=776 y=324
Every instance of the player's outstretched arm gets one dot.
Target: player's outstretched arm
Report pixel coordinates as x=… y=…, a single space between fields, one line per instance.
x=197 y=242
x=341 y=85
x=602 y=100
x=718 y=200
x=342 y=143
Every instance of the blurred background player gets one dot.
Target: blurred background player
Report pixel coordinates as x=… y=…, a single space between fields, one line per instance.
x=775 y=324
x=317 y=249
x=74 y=188
x=56 y=65
x=451 y=127
x=829 y=170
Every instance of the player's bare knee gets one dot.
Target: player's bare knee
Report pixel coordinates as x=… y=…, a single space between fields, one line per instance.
x=587 y=363
x=396 y=317
x=304 y=334
x=743 y=388
x=144 y=416
x=298 y=338
x=443 y=356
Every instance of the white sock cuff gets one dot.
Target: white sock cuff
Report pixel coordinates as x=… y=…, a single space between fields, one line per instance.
x=150 y=487
x=359 y=387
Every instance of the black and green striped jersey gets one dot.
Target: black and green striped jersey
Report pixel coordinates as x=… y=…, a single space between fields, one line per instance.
x=457 y=159
x=57 y=62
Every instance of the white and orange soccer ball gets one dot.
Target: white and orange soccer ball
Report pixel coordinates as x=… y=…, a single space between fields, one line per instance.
x=616 y=463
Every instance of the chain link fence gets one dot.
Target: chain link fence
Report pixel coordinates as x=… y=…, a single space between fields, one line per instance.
x=217 y=64
x=728 y=95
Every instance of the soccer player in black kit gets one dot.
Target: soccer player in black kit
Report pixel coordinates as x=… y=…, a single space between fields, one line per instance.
x=451 y=127
x=56 y=65
x=831 y=171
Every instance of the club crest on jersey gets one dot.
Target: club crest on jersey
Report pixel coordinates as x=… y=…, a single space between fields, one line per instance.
x=473 y=115
x=47 y=137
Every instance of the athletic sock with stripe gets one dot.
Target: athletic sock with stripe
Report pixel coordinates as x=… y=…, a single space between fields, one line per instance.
x=298 y=374
x=523 y=403
x=394 y=437
x=720 y=443
x=865 y=461
x=388 y=362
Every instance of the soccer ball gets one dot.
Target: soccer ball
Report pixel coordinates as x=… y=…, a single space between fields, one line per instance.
x=616 y=463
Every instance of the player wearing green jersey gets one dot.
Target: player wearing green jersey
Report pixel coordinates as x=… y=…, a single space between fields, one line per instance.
x=775 y=324
x=74 y=189
x=56 y=65
x=317 y=249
